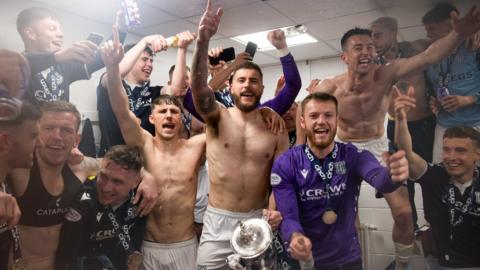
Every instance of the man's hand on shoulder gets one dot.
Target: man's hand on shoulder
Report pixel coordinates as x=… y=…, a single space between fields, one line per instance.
x=147 y=194
x=274 y=121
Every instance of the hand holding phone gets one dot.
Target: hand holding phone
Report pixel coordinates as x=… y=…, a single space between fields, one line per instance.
x=95 y=38
x=226 y=55
x=251 y=48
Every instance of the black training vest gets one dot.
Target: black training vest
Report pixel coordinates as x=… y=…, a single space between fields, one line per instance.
x=40 y=208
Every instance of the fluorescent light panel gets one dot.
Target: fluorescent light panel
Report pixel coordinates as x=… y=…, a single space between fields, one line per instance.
x=260 y=38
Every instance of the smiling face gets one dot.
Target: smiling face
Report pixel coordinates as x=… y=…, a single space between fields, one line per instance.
x=359 y=54
x=246 y=89
x=319 y=120
x=114 y=183
x=143 y=68
x=44 y=35
x=383 y=39
x=57 y=137
x=459 y=156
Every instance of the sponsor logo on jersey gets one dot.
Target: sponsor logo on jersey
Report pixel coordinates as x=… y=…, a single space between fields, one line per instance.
x=275 y=179
x=321 y=193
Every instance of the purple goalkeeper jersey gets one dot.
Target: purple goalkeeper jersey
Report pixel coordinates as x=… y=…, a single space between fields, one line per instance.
x=301 y=197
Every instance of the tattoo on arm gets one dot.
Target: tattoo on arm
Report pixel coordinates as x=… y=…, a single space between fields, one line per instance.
x=206 y=102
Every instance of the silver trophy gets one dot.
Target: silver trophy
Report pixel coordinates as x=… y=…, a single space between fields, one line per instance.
x=252 y=246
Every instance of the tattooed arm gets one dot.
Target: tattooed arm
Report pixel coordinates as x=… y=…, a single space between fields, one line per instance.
x=203 y=96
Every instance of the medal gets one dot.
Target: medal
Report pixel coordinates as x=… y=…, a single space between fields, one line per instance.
x=19 y=264
x=329 y=217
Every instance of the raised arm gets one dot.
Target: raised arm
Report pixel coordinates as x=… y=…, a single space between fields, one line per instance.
x=441 y=48
x=203 y=96
x=178 y=86
x=282 y=102
x=112 y=53
x=156 y=42
x=416 y=164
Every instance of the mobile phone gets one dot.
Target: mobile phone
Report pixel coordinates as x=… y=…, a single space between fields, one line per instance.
x=131 y=13
x=251 y=48
x=226 y=55
x=95 y=38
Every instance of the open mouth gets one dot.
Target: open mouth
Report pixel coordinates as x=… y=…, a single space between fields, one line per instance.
x=57 y=43
x=55 y=147
x=168 y=126
x=147 y=71
x=364 y=62
x=321 y=131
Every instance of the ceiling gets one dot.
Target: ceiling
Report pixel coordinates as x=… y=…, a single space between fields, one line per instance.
x=326 y=20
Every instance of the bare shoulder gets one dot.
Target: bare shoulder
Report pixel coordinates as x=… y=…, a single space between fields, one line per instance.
x=197 y=141
x=18 y=180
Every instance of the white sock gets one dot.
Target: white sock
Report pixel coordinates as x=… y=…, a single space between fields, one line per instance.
x=402 y=255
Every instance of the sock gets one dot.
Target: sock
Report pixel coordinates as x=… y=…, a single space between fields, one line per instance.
x=402 y=255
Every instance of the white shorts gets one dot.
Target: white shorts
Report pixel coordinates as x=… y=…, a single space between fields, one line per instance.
x=173 y=256
x=218 y=227
x=376 y=146
x=201 y=200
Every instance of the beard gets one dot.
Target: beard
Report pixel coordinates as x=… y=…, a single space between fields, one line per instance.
x=320 y=144
x=243 y=106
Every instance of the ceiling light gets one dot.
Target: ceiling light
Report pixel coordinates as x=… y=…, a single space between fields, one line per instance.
x=295 y=35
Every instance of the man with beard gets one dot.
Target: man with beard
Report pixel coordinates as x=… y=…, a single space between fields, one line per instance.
x=18 y=138
x=316 y=188
x=363 y=93
x=45 y=191
x=451 y=190
x=240 y=150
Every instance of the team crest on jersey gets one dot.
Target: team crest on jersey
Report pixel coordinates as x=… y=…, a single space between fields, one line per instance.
x=85 y=196
x=340 y=167
x=304 y=173
x=275 y=179
x=73 y=215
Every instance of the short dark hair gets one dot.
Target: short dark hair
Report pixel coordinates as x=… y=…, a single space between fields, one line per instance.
x=62 y=106
x=28 y=112
x=246 y=65
x=165 y=99
x=463 y=132
x=439 y=13
x=29 y=16
x=172 y=68
x=127 y=157
x=354 y=32
x=319 y=96
x=147 y=49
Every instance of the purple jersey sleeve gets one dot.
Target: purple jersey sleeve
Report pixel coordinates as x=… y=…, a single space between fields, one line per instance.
x=281 y=103
x=283 y=186
x=189 y=105
x=369 y=169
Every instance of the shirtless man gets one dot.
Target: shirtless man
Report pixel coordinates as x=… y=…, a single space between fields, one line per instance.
x=45 y=192
x=170 y=242
x=240 y=150
x=363 y=93
x=421 y=120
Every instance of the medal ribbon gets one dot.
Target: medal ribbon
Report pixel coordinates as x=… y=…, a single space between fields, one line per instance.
x=121 y=230
x=329 y=163
x=451 y=206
